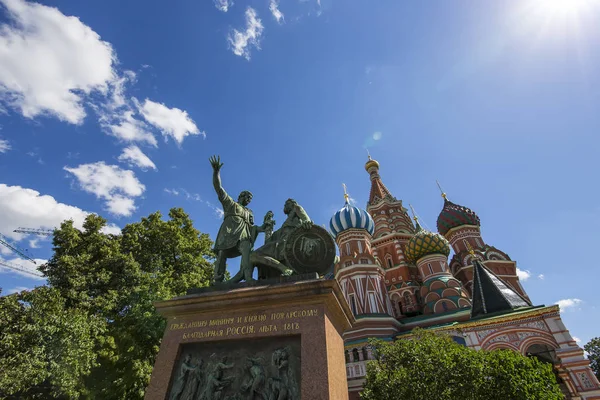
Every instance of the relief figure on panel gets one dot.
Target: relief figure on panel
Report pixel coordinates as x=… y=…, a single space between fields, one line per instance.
x=216 y=382
x=284 y=385
x=187 y=384
x=254 y=381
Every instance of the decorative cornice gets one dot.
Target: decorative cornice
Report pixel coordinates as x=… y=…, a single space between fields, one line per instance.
x=505 y=319
x=451 y=232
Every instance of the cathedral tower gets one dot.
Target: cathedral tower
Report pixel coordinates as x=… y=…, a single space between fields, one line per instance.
x=359 y=275
x=461 y=227
x=393 y=230
x=441 y=292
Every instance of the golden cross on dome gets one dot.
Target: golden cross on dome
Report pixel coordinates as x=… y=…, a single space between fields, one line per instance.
x=346 y=196
x=414 y=213
x=368 y=154
x=441 y=190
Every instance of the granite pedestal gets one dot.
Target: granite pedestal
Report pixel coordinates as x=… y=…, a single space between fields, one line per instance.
x=280 y=340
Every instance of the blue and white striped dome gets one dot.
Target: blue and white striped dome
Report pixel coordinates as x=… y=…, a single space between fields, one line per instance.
x=350 y=217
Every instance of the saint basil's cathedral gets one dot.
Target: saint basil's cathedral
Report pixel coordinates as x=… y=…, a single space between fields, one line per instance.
x=396 y=276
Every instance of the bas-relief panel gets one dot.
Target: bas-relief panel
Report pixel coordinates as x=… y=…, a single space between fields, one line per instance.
x=252 y=369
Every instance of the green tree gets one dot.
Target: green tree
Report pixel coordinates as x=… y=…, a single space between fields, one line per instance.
x=432 y=366
x=45 y=348
x=593 y=350
x=116 y=279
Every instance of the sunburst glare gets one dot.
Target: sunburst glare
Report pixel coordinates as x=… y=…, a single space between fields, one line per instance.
x=560 y=11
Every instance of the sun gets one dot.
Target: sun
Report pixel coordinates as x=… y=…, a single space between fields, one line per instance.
x=562 y=8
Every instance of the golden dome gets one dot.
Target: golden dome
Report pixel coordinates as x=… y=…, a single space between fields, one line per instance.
x=371 y=163
x=424 y=243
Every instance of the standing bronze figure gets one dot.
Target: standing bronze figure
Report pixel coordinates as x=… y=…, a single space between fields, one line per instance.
x=237 y=233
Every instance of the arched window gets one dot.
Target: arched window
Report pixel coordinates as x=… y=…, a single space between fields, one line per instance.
x=347 y=356
x=355 y=355
x=430 y=268
x=407 y=299
x=360 y=250
x=389 y=262
x=365 y=353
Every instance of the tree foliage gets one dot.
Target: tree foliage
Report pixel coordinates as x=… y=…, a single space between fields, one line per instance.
x=593 y=350
x=113 y=281
x=432 y=366
x=45 y=348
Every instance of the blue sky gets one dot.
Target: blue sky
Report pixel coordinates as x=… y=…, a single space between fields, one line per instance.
x=114 y=108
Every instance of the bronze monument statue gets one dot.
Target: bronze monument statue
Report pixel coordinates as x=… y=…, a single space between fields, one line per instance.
x=237 y=233
x=297 y=247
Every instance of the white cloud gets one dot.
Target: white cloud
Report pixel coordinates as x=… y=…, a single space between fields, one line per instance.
x=126 y=127
x=170 y=121
x=21 y=266
x=4 y=146
x=567 y=304
x=240 y=42
x=118 y=187
x=22 y=207
x=523 y=274
x=541 y=277
x=111 y=229
x=134 y=156
x=576 y=339
x=118 y=99
x=277 y=14
x=223 y=5
x=191 y=196
x=219 y=213
x=49 y=61
x=117 y=114
x=17 y=289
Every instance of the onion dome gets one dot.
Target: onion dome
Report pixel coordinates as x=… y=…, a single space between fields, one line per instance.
x=350 y=217
x=371 y=163
x=454 y=215
x=424 y=243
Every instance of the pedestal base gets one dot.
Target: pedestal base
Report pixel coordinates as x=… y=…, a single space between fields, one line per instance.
x=282 y=340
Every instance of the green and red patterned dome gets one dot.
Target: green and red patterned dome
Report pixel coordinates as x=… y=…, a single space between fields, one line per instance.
x=454 y=215
x=424 y=243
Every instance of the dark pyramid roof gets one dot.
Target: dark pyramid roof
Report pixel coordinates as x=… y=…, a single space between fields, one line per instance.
x=491 y=294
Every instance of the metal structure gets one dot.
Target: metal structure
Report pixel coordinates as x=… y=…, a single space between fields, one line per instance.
x=21 y=252
x=35 y=231
x=20 y=268
x=6 y=242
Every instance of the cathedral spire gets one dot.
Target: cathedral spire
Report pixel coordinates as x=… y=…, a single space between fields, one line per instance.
x=417 y=225
x=346 y=195
x=378 y=189
x=442 y=190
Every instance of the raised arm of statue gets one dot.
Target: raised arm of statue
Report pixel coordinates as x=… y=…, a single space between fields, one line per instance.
x=215 y=162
